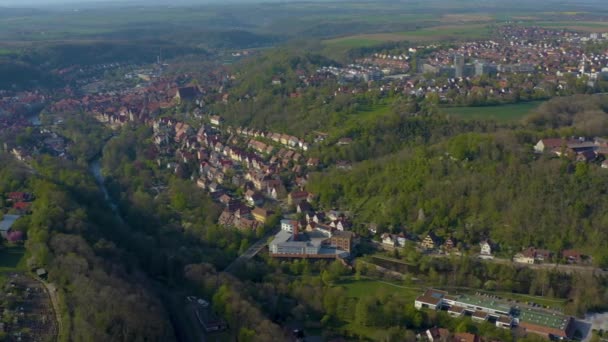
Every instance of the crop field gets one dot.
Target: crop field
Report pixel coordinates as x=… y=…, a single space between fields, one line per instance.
x=503 y=113
x=584 y=26
x=438 y=33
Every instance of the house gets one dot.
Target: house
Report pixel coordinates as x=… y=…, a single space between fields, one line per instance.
x=312 y=162
x=20 y=197
x=22 y=207
x=388 y=240
x=334 y=215
x=523 y=258
x=449 y=245
x=372 y=228
x=261 y=214
x=532 y=255
x=213 y=187
x=401 y=239
x=485 y=249
x=215 y=120
x=225 y=199
x=340 y=224
x=430 y=242
x=547 y=145
x=438 y=334
x=465 y=337
x=585 y=156
x=344 y=141
x=572 y=256
x=297 y=197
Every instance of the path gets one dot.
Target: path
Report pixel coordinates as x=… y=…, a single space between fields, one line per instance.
x=52 y=292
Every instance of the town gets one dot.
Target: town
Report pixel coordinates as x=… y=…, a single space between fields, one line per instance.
x=258 y=178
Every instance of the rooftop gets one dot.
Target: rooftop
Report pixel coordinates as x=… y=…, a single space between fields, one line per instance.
x=484 y=302
x=541 y=318
x=8 y=221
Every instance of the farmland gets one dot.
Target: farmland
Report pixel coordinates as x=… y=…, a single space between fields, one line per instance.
x=438 y=33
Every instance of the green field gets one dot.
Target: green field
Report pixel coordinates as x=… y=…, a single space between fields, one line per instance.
x=11 y=259
x=503 y=113
x=464 y=31
x=586 y=26
x=368 y=287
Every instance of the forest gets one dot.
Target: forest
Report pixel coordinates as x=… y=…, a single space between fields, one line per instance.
x=482 y=183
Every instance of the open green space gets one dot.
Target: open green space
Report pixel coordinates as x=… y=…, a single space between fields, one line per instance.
x=11 y=259
x=367 y=287
x=504 y=113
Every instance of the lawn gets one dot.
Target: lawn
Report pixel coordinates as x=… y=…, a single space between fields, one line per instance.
x=11 y=259
x=367 y=287
x=503 y=113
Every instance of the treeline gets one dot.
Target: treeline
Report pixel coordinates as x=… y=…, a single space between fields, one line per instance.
x=102 y=294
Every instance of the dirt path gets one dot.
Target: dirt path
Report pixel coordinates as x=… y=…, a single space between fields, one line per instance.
x=52 y=293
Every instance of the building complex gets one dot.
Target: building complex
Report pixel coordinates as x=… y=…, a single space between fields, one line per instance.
x=547 y=323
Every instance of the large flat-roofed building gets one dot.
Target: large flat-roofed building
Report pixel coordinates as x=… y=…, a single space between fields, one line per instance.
x=553 y=326
x=313 y=244
x=487 y=308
